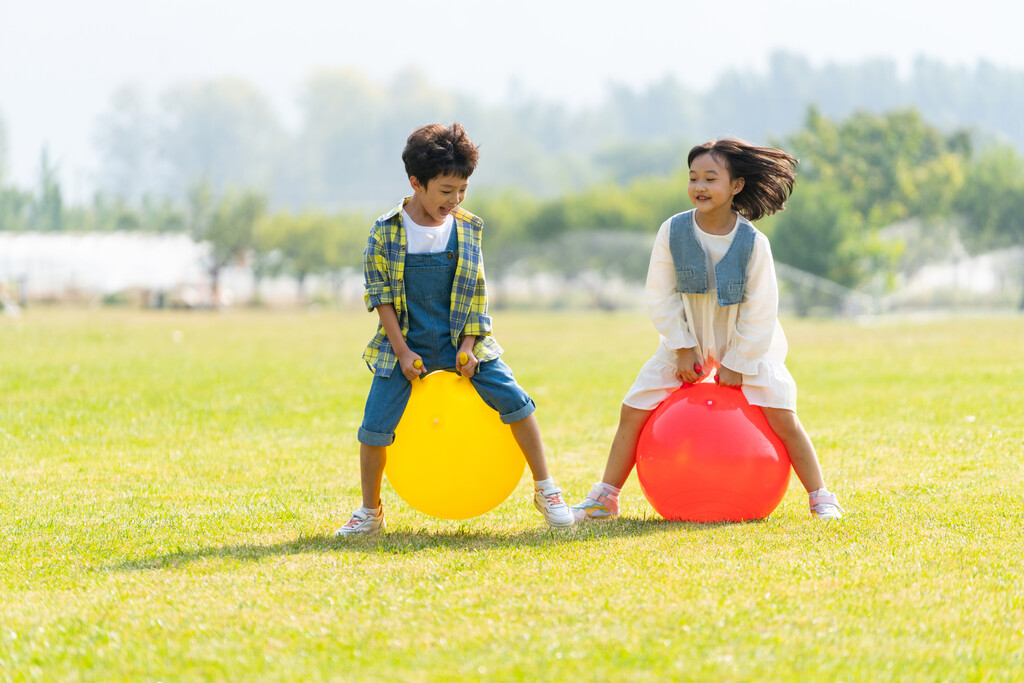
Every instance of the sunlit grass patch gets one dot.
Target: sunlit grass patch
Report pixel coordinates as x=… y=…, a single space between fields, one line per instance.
x=171 y=483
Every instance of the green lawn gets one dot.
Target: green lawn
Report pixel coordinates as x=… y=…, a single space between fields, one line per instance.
x=171 y=483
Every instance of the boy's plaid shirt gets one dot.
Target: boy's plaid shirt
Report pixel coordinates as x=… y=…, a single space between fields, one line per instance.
x=383 y=278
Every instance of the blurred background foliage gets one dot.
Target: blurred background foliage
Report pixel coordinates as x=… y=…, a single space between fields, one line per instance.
x=895 y=172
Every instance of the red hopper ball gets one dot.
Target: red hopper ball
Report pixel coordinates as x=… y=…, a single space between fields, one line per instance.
x=706 y=455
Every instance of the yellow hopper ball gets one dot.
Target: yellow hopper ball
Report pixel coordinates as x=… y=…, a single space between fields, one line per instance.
x=452 y=457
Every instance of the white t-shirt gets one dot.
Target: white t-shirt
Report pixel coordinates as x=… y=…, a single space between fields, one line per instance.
x=421 y=239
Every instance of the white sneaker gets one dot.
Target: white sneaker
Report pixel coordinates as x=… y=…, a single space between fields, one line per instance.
x=598 y=505
x=550 y=502
x=363 y=523
x=825 y=505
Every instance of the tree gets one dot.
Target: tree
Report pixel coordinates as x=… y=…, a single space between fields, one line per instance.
x=267 y=256
x=47 y=212
x=3 y=153
x=891 y=166
x=221 y=132
x=14 y=203
x=992 y=203
x=15 y=206
x=226 y=225
x=125 y=138
x=310 y=241
x=354 y=130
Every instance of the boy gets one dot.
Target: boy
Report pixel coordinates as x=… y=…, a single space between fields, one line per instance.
x=424 y=276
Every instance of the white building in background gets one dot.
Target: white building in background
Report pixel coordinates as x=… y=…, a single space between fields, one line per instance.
x=154 y=269
x=170 y=270
x=59 y=266
x=52 y=265
x=996 y=277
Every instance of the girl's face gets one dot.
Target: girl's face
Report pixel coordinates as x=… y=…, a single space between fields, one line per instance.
x=711 y=189
x=437 y=199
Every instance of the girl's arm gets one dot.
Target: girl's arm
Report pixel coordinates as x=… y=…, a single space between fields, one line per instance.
x=406 y=356
x=668 y=311
x=758 y=312
x=664 y=302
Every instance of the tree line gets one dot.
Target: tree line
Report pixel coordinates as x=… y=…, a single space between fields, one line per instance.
x=876 y=194
x=340 y=147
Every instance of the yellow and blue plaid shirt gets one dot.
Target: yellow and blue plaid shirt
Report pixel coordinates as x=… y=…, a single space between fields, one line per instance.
x=383 y=274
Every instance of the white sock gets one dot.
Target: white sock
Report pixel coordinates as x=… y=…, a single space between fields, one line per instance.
x=373 y=512
x=544 y=484
x=609 y=490
x=819 y=492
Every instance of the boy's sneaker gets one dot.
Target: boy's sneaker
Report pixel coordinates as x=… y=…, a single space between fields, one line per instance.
x=598 y=504
x=550 y=502
x=363 y=523
x=825 y=505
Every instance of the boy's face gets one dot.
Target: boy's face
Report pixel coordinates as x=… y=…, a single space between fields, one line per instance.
x=438 y=198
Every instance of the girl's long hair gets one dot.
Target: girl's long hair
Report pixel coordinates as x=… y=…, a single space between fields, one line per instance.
x=768 y=174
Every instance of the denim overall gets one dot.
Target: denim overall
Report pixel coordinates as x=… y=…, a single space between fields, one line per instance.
x=691 y=263
x=428 y=292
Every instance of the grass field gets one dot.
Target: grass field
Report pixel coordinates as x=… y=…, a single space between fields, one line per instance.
x=171 y=482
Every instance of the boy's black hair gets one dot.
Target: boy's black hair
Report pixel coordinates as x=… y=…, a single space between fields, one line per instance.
x=434 y=150
x=768 y=174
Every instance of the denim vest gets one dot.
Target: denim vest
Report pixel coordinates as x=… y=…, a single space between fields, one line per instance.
x=691 y=263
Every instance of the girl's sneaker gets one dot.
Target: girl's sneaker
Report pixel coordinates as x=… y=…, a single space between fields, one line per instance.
x=363 y=523
x=550 y=502
x=599 y=504
x=825 y=505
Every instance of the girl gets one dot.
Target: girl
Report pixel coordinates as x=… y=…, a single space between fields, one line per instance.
x=712 y=294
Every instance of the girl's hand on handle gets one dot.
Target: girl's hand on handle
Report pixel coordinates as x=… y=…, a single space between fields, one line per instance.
x=688 y=368
x=466 y=363
x=412 y=365
x=728 y=378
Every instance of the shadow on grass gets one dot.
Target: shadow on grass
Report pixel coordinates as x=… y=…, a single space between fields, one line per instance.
x=408 y=542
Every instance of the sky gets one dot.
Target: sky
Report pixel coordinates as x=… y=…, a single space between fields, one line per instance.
x=61 y=60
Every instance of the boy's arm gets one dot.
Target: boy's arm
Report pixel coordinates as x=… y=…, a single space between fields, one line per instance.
x=478 y=323
x=468 y=369
x=376 y=279
x=406 y=356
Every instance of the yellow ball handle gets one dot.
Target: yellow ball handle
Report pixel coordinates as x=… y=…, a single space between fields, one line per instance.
x=463 y=358
x=418 y=364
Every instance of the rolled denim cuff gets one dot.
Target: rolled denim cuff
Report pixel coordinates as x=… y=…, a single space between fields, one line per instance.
x=520 y=414
x=375 y=438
